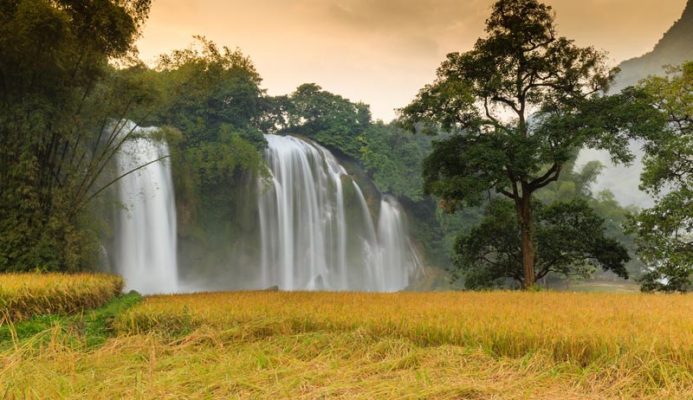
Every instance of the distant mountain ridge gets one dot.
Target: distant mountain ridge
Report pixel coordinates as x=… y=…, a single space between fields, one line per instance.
x=674 y=48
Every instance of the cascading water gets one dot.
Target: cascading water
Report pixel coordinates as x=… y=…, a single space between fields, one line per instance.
x=146 y=231
x=395 y=264
x=308 y=242
x=316 y=229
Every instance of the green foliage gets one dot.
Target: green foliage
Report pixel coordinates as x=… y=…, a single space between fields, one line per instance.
x=393 y=158
x=58 y=93
x=452 y=226
x=208 y=90
x=212 y=98
x=665 y=231
x=99 y=324
x=572 y=183
x=664 y=243
x=570 y=238
x=518 y=105
x=615 y=220
x=325 y=117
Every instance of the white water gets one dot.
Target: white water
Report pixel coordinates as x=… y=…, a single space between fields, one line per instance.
x=396 y=265
x=307 y=240
x=146 y=231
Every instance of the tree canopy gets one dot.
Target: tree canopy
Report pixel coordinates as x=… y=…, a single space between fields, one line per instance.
x=325 y=117
x=393 y=158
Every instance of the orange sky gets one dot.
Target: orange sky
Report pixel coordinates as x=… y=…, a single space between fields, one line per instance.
x=381 y=51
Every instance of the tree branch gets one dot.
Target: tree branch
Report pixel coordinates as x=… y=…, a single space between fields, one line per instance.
x=106 y=186
x=550 y=176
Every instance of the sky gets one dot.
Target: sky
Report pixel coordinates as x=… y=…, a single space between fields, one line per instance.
x=381 y=52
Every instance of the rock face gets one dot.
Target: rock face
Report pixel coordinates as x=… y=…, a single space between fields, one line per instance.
x=674 y=48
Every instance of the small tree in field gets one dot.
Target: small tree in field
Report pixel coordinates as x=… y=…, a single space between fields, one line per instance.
x=517 y=106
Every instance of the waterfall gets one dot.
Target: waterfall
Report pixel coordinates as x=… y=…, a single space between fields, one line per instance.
x=308 y=240
x=146 y=229
x=316 y=229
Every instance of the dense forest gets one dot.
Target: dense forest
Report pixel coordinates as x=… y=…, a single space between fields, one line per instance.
x=490 y=203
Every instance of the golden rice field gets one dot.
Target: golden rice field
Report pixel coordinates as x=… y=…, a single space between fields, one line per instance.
x=25 y=295
x=278 y=345
x=640 y=343
x=577 y=327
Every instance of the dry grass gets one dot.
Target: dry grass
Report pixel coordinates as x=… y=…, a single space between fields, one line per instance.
x=211 y=364
x=273 y=345
x=25 y=295
x=641 y=340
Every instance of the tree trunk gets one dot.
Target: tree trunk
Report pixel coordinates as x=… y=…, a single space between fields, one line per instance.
x=525 y=216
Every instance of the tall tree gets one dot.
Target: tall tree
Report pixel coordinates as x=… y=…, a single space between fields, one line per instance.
x=665 y=231
x=517 y=106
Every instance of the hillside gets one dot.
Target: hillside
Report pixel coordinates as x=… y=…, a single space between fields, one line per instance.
x=675 y=47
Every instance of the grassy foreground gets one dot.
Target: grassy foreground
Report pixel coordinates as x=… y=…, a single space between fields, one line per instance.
x=347 y=345
x=25 y=295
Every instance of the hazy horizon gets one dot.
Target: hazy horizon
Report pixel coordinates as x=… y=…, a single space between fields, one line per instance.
x=381 y=52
